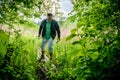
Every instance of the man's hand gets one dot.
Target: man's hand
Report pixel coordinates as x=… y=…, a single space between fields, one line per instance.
x=58 y=40
x=38 y=36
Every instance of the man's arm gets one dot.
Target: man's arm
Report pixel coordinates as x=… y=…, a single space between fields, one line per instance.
x=40 y=29
x=58 y=30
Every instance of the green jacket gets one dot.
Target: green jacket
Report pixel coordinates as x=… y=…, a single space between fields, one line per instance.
x=53 y=28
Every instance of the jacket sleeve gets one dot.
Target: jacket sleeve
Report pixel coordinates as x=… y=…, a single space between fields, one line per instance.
x=40 y=28
x=58 y=30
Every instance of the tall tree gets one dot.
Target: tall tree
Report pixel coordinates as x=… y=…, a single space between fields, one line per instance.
x=52 y=6
x=17 y=11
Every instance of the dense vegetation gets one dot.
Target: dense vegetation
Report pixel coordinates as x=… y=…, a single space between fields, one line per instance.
x=98 y=23
x=90 y=52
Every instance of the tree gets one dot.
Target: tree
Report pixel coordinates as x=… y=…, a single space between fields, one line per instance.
x=19 y=11
x=98 y=29
x=52 y=6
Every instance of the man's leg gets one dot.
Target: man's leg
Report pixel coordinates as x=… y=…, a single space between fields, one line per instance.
x=43 y=48
x=50 y=47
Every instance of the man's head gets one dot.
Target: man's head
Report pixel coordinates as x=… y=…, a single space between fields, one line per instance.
x=49 y=16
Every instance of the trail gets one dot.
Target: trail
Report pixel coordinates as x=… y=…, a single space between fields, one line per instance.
x=42 y=68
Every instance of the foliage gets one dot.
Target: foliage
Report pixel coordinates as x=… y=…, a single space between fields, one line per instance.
x=91 y=52
x=51 y=6
x=18 y=11
x=17 y=57
x=98 y=35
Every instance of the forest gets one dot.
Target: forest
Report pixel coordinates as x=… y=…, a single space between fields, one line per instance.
x=89 y=48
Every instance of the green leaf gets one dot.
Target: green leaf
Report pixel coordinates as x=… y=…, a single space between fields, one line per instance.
x=73 y=31
x=92 y=50
x=76 y=42
x=3 y=42
x=71 y=36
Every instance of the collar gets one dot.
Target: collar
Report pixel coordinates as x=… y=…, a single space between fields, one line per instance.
x=48 y=21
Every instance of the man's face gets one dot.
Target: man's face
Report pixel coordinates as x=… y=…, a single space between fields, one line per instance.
x=49 y=16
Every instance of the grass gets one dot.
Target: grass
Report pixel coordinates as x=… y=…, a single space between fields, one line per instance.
x=26 y=46
x=63 y=57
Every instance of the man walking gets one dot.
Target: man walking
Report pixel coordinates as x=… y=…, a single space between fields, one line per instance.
x=48 y=29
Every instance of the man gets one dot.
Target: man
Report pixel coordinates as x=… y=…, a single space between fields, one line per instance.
x=48 y=29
